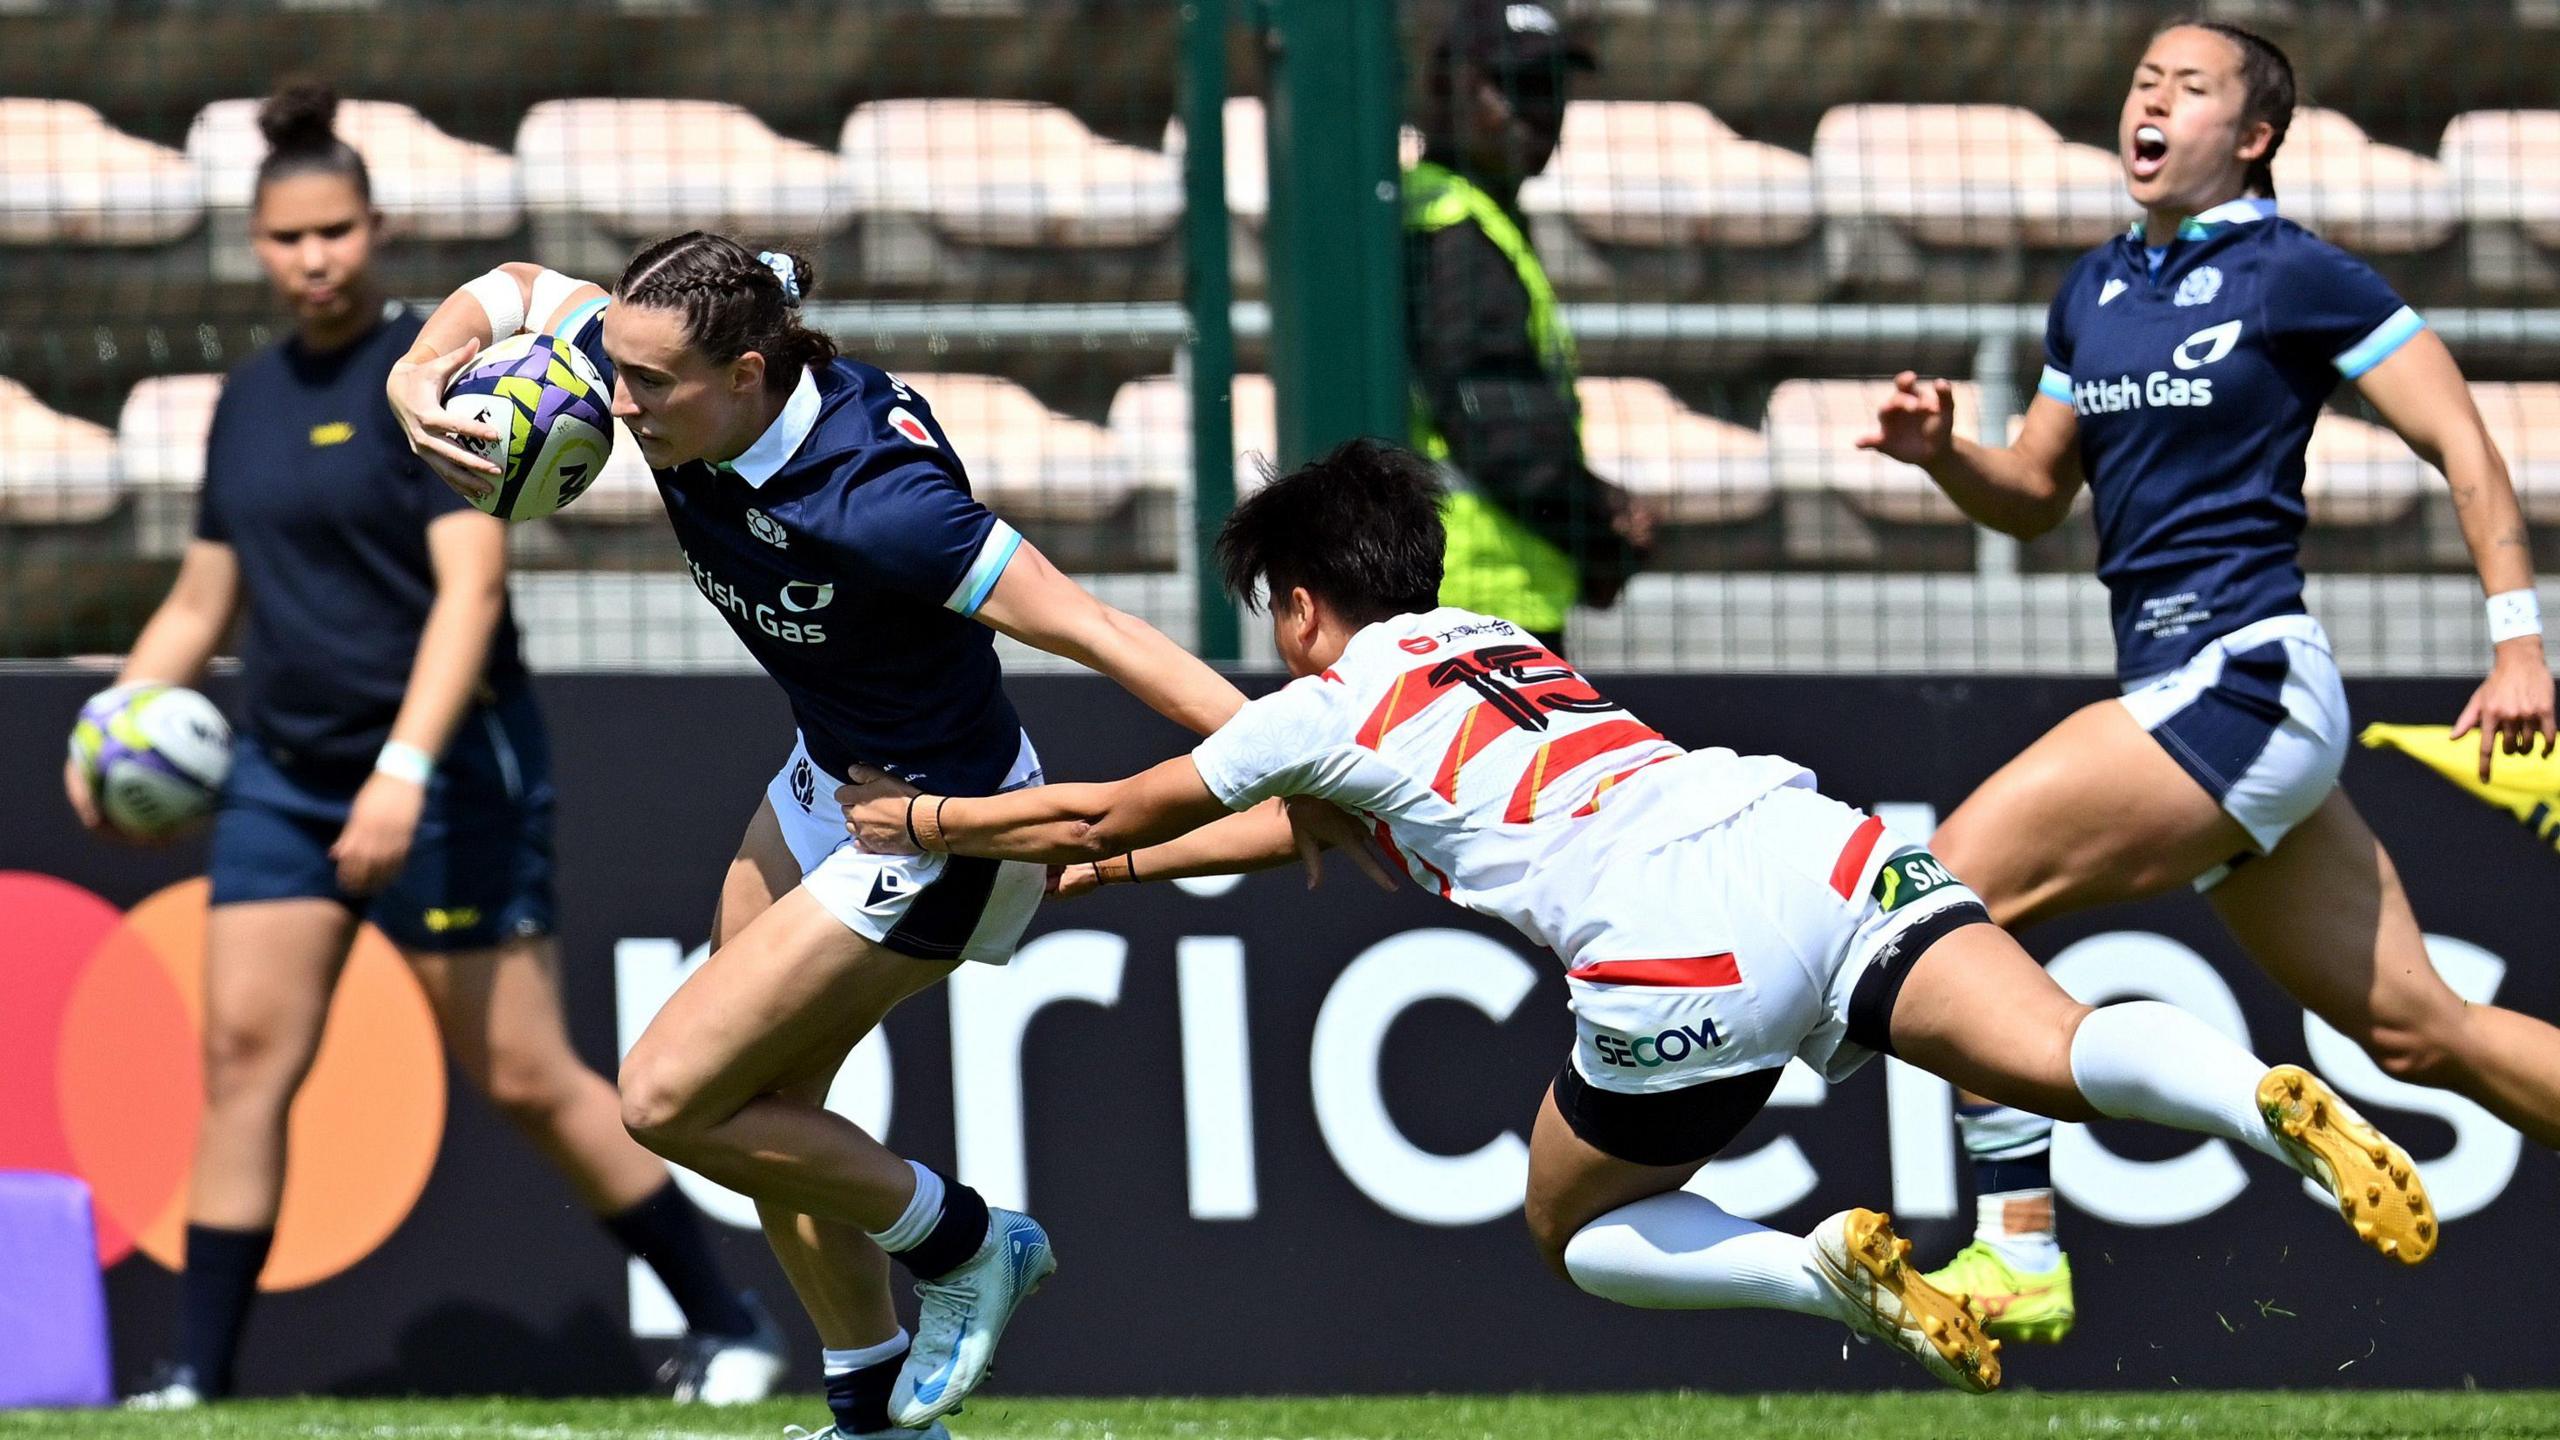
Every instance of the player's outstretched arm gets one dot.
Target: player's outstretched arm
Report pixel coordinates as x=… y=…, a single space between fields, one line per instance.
x=1037 y=604
x=1047 y=824
x=2419 y=392
x=2022 y=489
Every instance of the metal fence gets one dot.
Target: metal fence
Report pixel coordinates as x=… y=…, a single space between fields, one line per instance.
x=1756 y=210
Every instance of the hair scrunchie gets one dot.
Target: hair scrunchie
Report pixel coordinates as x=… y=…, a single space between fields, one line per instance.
x=784 y=271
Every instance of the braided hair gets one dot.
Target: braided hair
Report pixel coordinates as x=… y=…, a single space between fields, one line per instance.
x=2267 y=91
x=300 y=123
x=733 y=300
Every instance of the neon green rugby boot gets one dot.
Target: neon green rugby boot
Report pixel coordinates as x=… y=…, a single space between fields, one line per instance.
x=2031 y=1305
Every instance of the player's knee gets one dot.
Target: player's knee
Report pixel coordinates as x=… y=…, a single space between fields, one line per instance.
x=247 y=1064
x=528 y=1089
x=1552 y=1234
x=656 y=1108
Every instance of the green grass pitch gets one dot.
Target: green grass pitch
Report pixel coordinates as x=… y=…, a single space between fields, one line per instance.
x=2174 y=1415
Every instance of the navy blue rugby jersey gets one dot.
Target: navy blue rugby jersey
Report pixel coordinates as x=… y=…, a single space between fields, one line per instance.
x=2196 y=388
x=847 y=553
x=310 y=482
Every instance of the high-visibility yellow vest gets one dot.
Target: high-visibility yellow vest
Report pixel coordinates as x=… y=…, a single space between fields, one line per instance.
x=1495 y=565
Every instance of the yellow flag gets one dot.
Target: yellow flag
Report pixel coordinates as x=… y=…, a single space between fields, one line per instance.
x=2525 y=786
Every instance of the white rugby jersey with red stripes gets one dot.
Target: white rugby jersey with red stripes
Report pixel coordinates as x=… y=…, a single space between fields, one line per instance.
x=1499 y=778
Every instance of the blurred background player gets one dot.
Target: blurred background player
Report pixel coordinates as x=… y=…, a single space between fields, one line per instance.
x=391 y=767
x=790 y=471
x=1532 y=531
x=1717 y=916
x=2185 y=365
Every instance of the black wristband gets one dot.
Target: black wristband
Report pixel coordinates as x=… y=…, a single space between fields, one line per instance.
x=1132 y=858
x=912 y=838
x=938 y=832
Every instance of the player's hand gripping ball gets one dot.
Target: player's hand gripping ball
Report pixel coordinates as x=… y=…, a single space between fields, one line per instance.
x=155 y=757
x=554 y=418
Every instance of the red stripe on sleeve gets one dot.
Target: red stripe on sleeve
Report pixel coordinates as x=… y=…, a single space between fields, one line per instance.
x=1853 y=857
x=1696 y=972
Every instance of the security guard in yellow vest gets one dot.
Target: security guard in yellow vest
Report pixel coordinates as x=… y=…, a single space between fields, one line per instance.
x=1532 y=531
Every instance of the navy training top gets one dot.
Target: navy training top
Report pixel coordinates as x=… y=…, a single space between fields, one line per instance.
x=847 y=554
x=309 y=481
x=2196 y=388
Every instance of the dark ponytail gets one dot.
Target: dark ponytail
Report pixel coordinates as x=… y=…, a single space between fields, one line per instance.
x=2267 y=92
x=733 y=300
x=299 y=121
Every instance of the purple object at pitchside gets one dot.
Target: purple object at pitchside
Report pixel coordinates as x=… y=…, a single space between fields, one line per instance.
x=53 y=1306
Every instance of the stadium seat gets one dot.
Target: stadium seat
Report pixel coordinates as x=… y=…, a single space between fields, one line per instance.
x=161 y=430
x=1007 y=172
x=1024 y=459
x=2524 y=420
x=1967 y=176
x=1150 y=426
x=1813 y=428
x=68 y=177
x=1248 y=166
x=2365 y=196
x=1698 y=469
x=2359 y=475
x=2505 y=167
x=1642 y=173
x=642 y=168
x=426 y=183
x=54 y=469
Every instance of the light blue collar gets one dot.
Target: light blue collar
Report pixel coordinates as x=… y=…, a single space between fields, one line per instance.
x=2230 y=212
x=773 y=449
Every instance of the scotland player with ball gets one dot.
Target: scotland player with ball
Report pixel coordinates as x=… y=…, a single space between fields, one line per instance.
x=823 y=511
x=390 y=767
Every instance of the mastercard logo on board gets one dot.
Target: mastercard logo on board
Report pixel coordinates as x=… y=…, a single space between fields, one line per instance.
x=101 y=1076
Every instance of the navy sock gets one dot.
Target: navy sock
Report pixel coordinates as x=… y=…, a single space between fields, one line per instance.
x=955 y=1236
x=666 y=1231
x=1999 y=1177
x=859 y=1399
x=214 y=1295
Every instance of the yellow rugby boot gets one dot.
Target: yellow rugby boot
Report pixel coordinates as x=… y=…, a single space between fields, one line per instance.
x=2014 y=1304
x=1857 y=1251
x=2377 y=1188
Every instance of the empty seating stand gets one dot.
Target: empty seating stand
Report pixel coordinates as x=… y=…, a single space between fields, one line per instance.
x=602 y=177
x=1008 y=199
x=1664 y=200
x=1708 y=479
x=160 y=437
x=1853 y=508
x=2504 y=166
x=457 y=205
x=1056 y=478
x=1150 y=425
x=1958 y=200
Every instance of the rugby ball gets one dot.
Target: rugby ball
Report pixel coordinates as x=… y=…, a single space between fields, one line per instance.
x=554 y=418
x=155 y=757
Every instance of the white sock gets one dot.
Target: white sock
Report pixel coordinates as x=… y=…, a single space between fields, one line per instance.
x=2144 y=1060
x=2026 y=1246
x=916 y=1221
x=845 y=1362
x=1683 y=1252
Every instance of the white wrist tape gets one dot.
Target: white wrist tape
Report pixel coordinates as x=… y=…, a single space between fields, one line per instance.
x=405 y=762
x=551 y=290
x=2514 y=613
x=500 y=300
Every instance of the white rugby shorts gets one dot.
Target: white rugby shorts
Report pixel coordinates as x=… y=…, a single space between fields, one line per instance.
x=2259 y=718
x=1743 y=945
x=931 y=907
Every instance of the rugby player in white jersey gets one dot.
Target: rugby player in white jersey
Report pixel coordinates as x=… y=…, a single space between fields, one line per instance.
x=1716 y=916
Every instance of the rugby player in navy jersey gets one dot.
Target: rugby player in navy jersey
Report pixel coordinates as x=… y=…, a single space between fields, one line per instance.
x=823 y=510
x=391 y=766
x=2185 y=365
